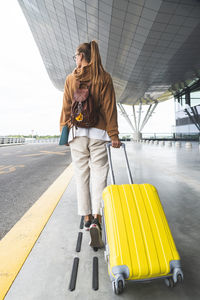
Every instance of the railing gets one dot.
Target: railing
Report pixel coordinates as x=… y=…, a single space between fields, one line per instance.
x=172 y=136
x=11 y=140
x=193 y=136
x=42 y=141
x=123 y=136
x=158 y=136
x=127 y=136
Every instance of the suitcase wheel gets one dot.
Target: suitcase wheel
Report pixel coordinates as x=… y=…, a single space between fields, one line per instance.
x=117 y=286
x=169 y=282
x=177 y=275
x=179 y=278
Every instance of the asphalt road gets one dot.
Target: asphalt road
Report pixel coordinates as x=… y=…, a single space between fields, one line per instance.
x=26 y=171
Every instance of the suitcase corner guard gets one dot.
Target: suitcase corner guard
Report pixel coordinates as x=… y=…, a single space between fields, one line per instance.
x=120 y=271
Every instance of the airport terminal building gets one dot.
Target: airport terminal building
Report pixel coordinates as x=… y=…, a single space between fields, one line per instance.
x=150 y=48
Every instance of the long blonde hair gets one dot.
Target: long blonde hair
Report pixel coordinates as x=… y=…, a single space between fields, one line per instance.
x=92 y=56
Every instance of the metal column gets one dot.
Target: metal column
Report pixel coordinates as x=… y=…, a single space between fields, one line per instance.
x=134 y=116
x=146 y=116
x=124 y=113
x=150 y=113
x=139 y=116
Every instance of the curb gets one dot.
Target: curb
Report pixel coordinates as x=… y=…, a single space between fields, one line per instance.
x=14 y=144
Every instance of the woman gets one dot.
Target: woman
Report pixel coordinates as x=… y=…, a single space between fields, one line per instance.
x=87 y=145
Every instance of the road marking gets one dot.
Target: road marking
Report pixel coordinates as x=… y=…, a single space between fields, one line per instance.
x=50 y=152
x=36 y=154
x=4 y=167
x=44 y=153
x=18 y=242
x=10 y=169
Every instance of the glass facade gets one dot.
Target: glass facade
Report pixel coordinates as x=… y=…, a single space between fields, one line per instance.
x=188 y=114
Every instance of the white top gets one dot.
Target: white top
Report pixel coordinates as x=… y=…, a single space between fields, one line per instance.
x=92 y=133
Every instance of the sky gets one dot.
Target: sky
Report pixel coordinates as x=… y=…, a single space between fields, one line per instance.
x=29 y=103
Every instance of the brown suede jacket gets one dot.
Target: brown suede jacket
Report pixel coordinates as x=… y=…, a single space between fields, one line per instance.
x=104 y=96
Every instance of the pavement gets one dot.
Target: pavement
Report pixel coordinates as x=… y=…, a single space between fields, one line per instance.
x=26 y=171
x=45 y=275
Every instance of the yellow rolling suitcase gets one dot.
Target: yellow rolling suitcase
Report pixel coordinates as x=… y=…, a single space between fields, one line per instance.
x=138 y=242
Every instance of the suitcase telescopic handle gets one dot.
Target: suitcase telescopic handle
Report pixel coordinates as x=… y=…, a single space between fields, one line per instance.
x=108 y=145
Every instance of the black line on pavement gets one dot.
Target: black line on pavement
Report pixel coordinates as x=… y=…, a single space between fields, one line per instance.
x=79 y=240
x=82 y=221
x=72 y=284
x=95 y=274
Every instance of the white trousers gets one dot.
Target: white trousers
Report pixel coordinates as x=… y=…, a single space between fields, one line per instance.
x=90 y=161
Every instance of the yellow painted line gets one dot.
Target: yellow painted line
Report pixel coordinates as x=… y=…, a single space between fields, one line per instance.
x=45 y=152
x=50 y=152
x=36 y=154
x=10 y=169
x=4 y=167
x=18 y=242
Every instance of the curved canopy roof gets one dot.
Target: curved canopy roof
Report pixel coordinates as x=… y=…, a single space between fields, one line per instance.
x=151 y=48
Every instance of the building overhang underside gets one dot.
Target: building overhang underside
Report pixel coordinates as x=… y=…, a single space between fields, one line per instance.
x=150 y=48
